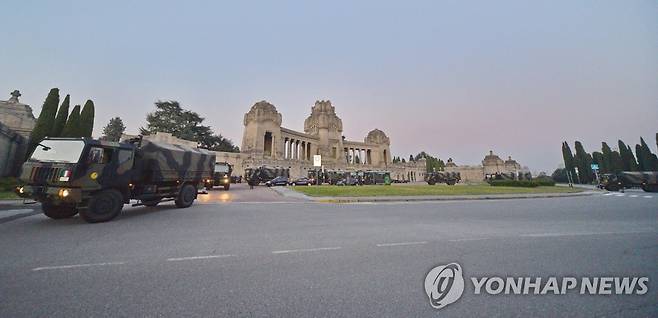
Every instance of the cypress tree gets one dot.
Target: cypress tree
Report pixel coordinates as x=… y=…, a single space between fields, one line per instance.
x=46 y=120
x=639 y=152
x=72 y=127
x=569 y=163
x=62 y=115
x=616 y=164
x=597 y=158
x=583 y=162
x=87 y=119
x=646 y=159
x=606 y=158
x=627 y=157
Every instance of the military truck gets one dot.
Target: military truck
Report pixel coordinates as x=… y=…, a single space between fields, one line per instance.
x=96 y=178
x=262 y=174
x=646 y=180
x=372 y=177
x=220 y=177
x=449 y=178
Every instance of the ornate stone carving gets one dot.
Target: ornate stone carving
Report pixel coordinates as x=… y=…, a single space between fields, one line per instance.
x=17 y=116
x=323 y=116
x=263 y=111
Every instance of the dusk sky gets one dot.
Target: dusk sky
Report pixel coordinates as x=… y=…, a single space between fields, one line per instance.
x=454 y=78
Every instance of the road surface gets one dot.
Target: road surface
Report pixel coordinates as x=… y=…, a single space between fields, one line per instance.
x=282 y=258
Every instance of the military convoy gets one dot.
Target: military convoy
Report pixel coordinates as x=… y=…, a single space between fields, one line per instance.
x=96 y=178
x=221 y=176
x=646 y=180
x=449 y=178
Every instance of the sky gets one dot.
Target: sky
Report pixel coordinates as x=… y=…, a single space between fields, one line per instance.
x=453 y=78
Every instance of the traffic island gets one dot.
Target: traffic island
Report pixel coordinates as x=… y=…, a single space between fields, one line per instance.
x=345 y=194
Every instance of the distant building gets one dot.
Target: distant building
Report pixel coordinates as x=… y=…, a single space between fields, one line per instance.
x=16 y=124
x=17 y=116
x=491 y=165
x=266 y=142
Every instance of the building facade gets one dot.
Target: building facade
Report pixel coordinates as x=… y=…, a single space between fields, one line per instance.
x=266 y=142
x=491 y=165
x=16 y=124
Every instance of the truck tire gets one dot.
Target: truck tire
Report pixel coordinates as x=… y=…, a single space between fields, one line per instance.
x=227 y=186
x=186 y=196
x=103 y=206
x=650 y=188
x=431 y=182
x=57 y=212
x=451 y=182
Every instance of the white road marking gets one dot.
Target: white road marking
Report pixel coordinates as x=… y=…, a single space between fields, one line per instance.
x=191 y=258
x=647 y=196
x=401 y=244
x=633 y=196
x=76 y=266
x=469 y=239
x=307 y=250
x=608 y=194
x=620 y=195
x=583 y=233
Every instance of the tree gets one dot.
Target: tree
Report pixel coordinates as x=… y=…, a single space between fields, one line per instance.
x=72 y=127
x=60 y=120
x=114 y=129
x=431 y=163
x=627 y=157
x=87 y=119
x=583 y=162
x=569 y=161
x=170 y=117
x=647 y=161
x=560 y=175
x=46 y=120
x=606 y=158
x=616 y=163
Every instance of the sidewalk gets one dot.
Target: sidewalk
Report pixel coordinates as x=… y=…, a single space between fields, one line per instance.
x=284 y=191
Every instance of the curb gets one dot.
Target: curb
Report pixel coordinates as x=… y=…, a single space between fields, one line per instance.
x=445 y=198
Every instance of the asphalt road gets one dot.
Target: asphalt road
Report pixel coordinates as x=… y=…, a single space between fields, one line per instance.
x=288 y=259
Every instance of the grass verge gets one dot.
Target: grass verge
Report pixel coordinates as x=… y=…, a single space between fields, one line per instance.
x=419 y=190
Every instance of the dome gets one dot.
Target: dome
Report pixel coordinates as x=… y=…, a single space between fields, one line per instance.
x=263 y=111
x=377 y=136
x=491 y=159
x=323 y=116
x=263 y=106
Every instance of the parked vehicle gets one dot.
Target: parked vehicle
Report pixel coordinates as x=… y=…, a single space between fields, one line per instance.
x=646 y=180
x=303 y=181
x=449 y=178
x=376 y=177
x=95 y=178
x=278 y=181
x=260 y=174
x=221 y=176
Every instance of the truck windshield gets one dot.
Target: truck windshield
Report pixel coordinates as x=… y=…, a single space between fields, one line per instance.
x=58 y=150
x=219 y=167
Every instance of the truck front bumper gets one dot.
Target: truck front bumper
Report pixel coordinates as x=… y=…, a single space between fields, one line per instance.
x=50 y=193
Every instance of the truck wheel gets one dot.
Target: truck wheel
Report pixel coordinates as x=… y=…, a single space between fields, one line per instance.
x=650 y=188
x=57 y=212
x=186 y=196
x=431 y=182
x=227 y=186
x=451 y=182
x=103 y=206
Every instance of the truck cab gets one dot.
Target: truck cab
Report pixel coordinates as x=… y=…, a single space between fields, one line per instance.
x=221 y=176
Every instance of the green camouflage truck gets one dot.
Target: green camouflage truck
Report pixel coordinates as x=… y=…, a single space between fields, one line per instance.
x=96 y=178
x=221 y=176
x=449 y=178
x=646 y=180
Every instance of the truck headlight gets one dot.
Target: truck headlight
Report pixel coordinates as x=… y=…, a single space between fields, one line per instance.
x=20 y=189
x=64 y=193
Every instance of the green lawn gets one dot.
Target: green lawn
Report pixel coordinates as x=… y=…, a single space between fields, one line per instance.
x=412 y=190
x=8 y=195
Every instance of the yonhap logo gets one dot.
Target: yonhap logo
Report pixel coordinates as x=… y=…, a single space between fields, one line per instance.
x=444 y=285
